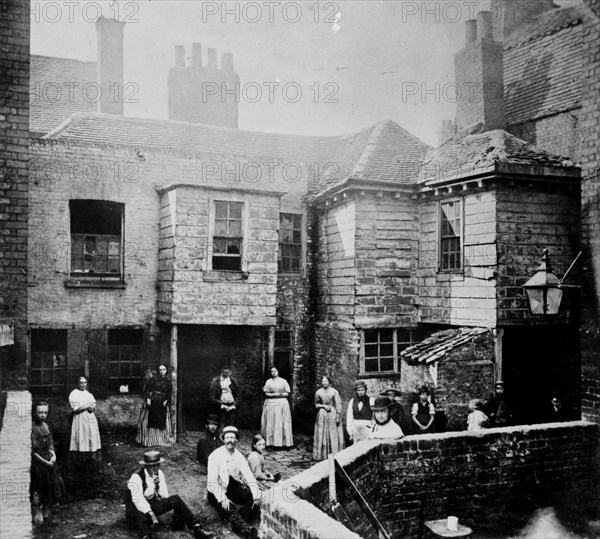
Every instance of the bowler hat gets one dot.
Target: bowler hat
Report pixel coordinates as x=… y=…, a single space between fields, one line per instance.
x=360 y=383
x=213 y=418
x=152 y=458
x=381 y=403
x=228 y=430
x=394 y=389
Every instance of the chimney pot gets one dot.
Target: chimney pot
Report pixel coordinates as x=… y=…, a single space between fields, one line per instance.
x=471 y=31
x=196 y=55
x=179 y=56
x=227 y=62
x=212 y=58
x=485 y=25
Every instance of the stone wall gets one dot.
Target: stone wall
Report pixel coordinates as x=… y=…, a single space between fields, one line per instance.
x=492 y=480
x=15 y=464
x=14 y=181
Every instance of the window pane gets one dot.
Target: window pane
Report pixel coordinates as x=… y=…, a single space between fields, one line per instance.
x=235 y=229
x=386 y=335
x=234 y=247
x=220 y=209
x=235 y=210
x=220 y=228
x=371 y=364
x=387 y=364
x=386 y=349
x=371 y=350
x=371 y=335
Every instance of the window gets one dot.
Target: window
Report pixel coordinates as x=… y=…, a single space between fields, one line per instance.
x=450 y=257
x=47 y=375
x=96 y=238
x=284 y=352
x=380 y=349
x=227 y=236
x=125 y=359
x=290 y=242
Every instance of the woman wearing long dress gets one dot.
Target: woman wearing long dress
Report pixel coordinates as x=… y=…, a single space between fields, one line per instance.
x=155 y=427
x=329 y=434
x=85 y=436
x=276 y=416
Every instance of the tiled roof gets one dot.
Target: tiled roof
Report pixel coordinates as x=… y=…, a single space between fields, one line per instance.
x=542 y=66
x=378 y=152
x=56 y=91
x=439 y=344
x=473 y=149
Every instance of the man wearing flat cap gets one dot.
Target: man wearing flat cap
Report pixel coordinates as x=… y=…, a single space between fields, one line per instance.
x=383 y=425
x=225 y=395
x=148 y=498
x=208 y=441
x=396 y=408
x=359 y=414
x=230 y=481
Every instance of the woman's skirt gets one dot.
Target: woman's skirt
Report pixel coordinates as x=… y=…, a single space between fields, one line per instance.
x=277 y=423
x=329 y=435
x=149 y=437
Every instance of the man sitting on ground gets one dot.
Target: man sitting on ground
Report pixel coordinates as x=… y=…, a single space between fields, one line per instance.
x=148 y=498
x=230 y=481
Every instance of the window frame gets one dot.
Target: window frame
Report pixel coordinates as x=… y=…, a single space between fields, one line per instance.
x=302 y=256
x=441 y=237
x=397 y=347
x=40 y=389
x=229 y=198
x=96 y=277
x=110 y=347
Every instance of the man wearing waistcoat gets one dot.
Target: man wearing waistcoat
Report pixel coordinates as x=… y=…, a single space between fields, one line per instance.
x=148 y=498
x=359 y=415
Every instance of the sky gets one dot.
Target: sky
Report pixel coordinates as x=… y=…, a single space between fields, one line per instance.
x=332 y=67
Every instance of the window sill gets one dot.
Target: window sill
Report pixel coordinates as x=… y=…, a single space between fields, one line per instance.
x=94 y=283
x=365 y=375
x=225 y=275
x=444 y=276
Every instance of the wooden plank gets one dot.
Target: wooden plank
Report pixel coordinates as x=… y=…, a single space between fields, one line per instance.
x=361 y=501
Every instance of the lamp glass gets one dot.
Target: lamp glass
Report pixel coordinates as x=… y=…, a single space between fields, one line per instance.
x=553 y=299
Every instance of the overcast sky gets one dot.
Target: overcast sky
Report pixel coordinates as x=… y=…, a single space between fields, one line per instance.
x=345 y=65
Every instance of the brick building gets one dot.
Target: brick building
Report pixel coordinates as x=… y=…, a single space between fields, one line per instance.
x=160 y=240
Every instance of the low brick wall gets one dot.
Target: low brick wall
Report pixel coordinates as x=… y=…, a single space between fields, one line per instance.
x=492 y=480
x=590 y=399
x=15 y=464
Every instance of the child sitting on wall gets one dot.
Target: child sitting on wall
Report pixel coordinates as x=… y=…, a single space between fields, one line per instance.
x=476 y=420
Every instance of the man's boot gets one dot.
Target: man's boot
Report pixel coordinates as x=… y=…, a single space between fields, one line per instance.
x=200 y=533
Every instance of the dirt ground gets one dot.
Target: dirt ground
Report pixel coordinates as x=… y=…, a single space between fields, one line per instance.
x=95 y=502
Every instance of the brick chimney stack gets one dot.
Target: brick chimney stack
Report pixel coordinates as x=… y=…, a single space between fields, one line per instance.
x=110 y=65
x=203 y=93
x=508 y=15
x=480 y=76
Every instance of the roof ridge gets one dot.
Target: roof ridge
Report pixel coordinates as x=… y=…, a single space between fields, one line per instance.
x=360 y=166
x=71 y=120
x=63 y=58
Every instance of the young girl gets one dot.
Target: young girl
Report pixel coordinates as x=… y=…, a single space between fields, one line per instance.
x=256 y=461
x=476 y=420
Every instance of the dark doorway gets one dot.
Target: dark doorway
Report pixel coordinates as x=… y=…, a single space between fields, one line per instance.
x=200 y=350
x=538 y=360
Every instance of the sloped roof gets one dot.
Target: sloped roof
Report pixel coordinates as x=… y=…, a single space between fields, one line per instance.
x=440 y=344
x=56 y=91
x=542 y=66
x=377 y=152
x=474 y=149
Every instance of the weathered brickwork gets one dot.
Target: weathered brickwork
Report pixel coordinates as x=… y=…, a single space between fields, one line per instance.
x=15 y=464
x=464 y=374
x=590 y=158
x=467 y=297
x=557 y=134
x=14 y=177
x=492 y=480
x=527 y=222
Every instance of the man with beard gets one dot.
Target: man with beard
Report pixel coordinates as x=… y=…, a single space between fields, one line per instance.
x=208 y=441
x=384 y=426
x=496 y=409
x=230 y=481
x=359 y=414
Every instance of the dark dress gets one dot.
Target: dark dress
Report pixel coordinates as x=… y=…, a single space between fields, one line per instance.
x=158 y=390
x=45 y=480
x=497 y=411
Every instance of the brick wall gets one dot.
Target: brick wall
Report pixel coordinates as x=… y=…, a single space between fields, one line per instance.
x=492 y=480
x=590 y=202
x=14 y=178
x=15 y=464
x=466 y=298
x=464 y=374
x=556 y=134
x=529 y=220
